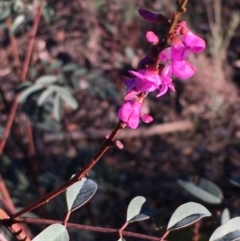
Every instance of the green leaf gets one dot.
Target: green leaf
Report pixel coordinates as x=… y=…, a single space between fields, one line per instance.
x=80 y=71
x=5 y=13
x=70 y=100
x=68 y=97
x=227 y=232
x=186 y=215
x=225 y=217
x=80 y=193
x=23 y=86
x=57 y=108
x=202 y=189
x=46 y=79
x=122 y=239
x=55 y=232
x=138 y=210
x=44 y=96
x=24 y=94
x=70 y=67
x=17 y=23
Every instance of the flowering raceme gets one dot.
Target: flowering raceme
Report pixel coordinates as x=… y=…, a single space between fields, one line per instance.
x=171 y=62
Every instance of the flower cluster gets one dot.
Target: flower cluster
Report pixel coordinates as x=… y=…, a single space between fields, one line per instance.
x=171 y=62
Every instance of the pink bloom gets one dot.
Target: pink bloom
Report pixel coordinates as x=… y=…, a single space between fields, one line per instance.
x=146 y=80
x=130 y=113
x=152 y=37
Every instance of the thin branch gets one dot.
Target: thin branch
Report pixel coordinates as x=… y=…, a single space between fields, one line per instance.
x=23 y=75
x=107 y=143
x=81 y=227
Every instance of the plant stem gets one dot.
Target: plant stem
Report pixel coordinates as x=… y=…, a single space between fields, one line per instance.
x=80 y=226
x=107 y=143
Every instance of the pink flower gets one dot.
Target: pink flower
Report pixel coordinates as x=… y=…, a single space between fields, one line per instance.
x=152 y=37
x=146 y=80
x=129 y=113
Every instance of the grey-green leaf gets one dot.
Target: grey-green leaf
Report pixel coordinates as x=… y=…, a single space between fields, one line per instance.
x=186 y=215
x=138 y=210
x=202 y=189
x=235 y=181
x=122 y=239
x=227 y=232
x=70 y=67
x=46 y=80
x=57 y=108
x=44 y=96
x=66 y=95
x=17 y=23
x=24 y=94
x=55 y=232
x=80 y=193
x=225 y=217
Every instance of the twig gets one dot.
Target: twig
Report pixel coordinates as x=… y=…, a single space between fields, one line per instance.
x=23 y=75
x=81 y=227
x=107 y=143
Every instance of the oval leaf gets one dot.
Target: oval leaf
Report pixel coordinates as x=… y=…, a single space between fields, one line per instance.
x=225 y=216
x=80 y=193
x=122 y=239
x=57 y=108
x=44 y=96
x=186 y=215
x=66 y=95
x=18 y=21
x=202 y=189
x=227 y=232
x=46 y=79
x=24 y=94
x=138 y=210
x=55 y=232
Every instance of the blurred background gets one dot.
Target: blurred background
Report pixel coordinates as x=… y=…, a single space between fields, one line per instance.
x=82 y=49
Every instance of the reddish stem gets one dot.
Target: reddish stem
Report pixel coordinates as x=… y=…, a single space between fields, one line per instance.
x=81 y=227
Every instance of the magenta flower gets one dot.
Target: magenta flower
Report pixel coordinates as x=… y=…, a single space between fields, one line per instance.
x=152 y=37
x=130 y=113
x=146 y=80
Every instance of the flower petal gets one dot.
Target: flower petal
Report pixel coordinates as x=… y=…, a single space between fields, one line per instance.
x=165 y=54
x=146 y=118
x=182 y=69
x=195 y=43
x=179 y=51
x=152 y=37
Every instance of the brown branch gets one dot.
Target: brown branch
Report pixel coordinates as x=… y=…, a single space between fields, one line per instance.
x=107 y=143
x=14 y=48
x=81 y=227
x=23 y=75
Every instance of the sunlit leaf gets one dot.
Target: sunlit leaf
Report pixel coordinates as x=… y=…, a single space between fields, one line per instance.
x=57 y=110
x=227 y=232
x=55 y=232
x=138 y=210
x=17 y=23
x=46 y=79
x=202 y=189
x=186 y=215
x=24 y=94
x=44 y=96
x=225 y=217
x=80 y=193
